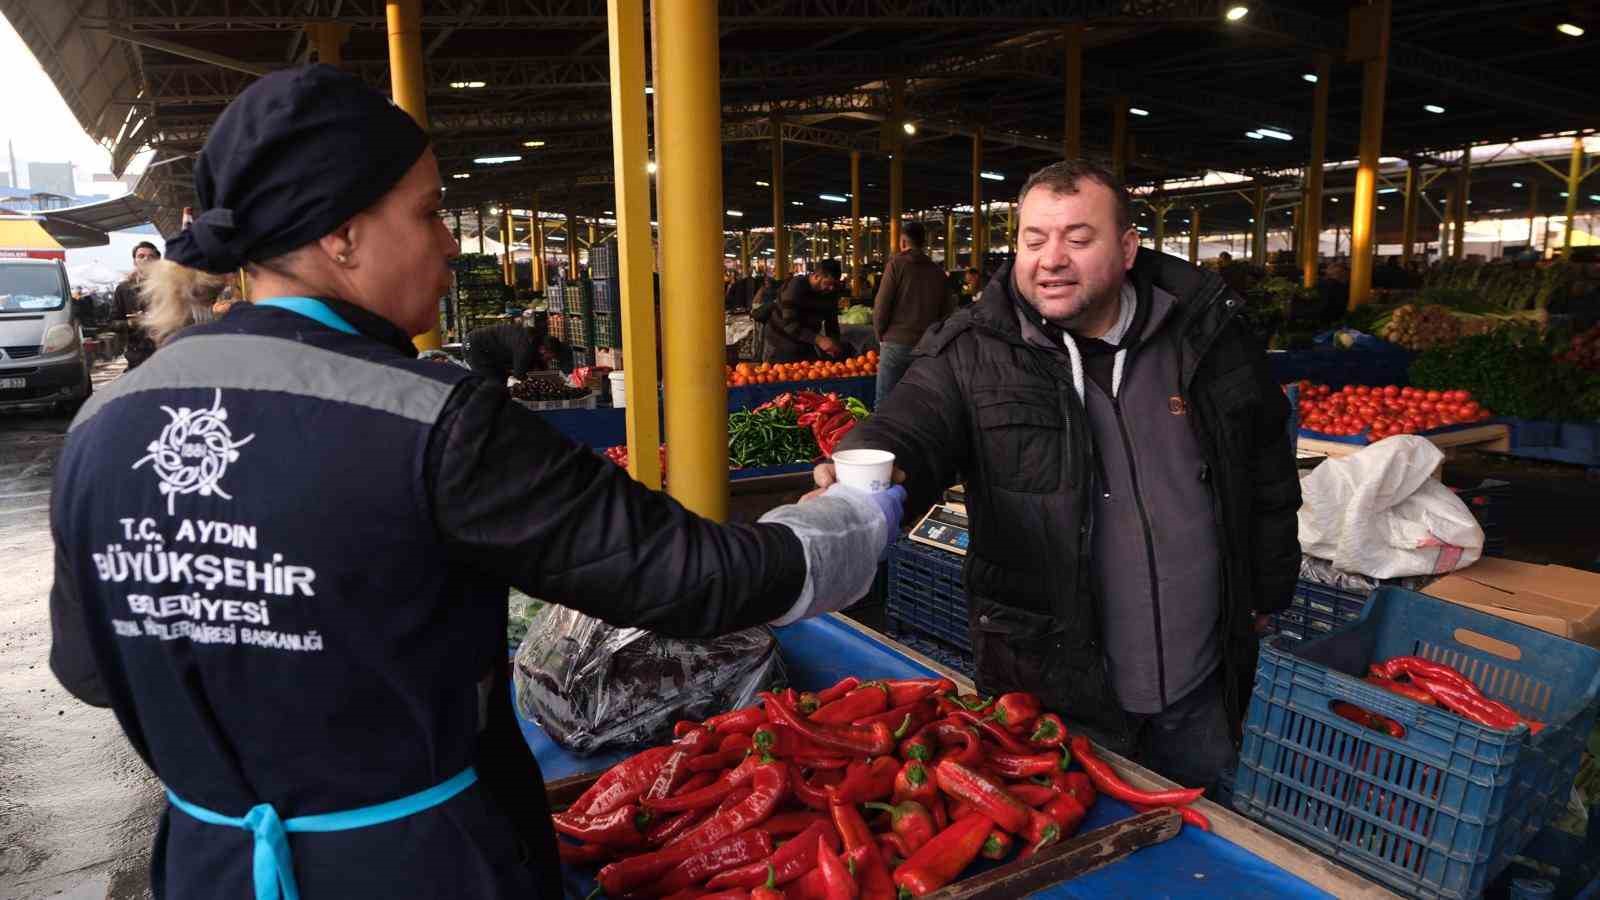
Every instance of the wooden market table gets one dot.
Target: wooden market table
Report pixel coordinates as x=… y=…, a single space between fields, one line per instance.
x=1493 y=437
x=1238 y=859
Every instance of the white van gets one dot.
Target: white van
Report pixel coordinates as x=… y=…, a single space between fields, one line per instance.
x=42 y=360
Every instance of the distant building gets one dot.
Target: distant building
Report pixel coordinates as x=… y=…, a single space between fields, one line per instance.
x=51 y=178
x=5 y=179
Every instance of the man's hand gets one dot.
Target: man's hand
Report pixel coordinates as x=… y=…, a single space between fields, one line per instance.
x=827 y=345
x=824 y=477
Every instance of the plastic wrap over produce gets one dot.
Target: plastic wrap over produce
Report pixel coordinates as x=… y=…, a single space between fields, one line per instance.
x=591 y=685
x=1320 y=571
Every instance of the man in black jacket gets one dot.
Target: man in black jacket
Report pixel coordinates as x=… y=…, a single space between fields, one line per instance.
x=1130 y=486
x=806 y=323
x=127 y=307
x=508 y=350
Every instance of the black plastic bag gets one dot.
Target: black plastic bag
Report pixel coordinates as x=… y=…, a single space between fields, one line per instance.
x=592 y=686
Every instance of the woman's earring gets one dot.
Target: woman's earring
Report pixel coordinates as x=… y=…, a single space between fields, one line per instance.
x=341 y=258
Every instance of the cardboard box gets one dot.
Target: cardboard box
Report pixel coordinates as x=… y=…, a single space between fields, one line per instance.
x=1556 y=599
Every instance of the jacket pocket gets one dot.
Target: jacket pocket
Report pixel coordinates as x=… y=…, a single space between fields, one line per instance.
x=1021 y=435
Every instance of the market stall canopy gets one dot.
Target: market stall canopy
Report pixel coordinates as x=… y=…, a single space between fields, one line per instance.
x=24 y=236
x=122 y=212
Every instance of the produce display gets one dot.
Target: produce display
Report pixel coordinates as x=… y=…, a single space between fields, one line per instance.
x=1514 y=371
x=858 y=314
x=1379 y=412
x=1433 y=684
x=797 y=427
x=619 y=455
x=1583 y=351
x=812 y=370
x=1421 y=327
x=537 y=389
x=1499 y=286
x=872 y=790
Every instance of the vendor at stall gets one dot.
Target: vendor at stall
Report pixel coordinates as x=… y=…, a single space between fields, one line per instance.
x=805 y=324
x=284 y=545
x=1129 y=481
x=508 y=350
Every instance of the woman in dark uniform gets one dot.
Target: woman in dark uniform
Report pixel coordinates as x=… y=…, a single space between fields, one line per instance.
x=284 y=544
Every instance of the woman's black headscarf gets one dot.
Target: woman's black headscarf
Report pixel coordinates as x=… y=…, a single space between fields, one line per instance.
x=295 y=156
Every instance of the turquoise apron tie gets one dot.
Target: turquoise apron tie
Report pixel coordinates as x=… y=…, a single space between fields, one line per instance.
x=273 y=864
x=311 y=309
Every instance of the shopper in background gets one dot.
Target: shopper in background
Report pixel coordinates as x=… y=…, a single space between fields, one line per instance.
x=283 y=547
x=1128 y=477
x=971 y=286
x=508 y=350
x=805 y=324
x=911 y=296
x=127 y=309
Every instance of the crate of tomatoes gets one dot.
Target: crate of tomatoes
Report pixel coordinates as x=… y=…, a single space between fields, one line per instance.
x=1424 y=745
x=1367 y=414
x=868 y=789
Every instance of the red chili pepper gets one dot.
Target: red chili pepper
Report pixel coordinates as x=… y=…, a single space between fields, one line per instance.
x=1013 y=765
x=1035 y=795
x=739 y=721
x=1408 y=691
x=968 y=750
x=1417 y=666
x=1473 y=707
x=770 y=787
x=821 y=762
x=665 y=831
x=1067 y=813
x=793 y=859
x=716 y=762
x=875 y=740
x=936 y=805
x=677 y=769
x=864 y=782
x=810 y=701
x=909 y=690
x=903 y=720
x=812 y=886
x=811 y=795
x=1016 y=711
x=620 y=827
x=732 y=852
x=777 y=739
x=1368 y=719
x=945 y=857
x=1049 y=731
x=915 y=782
x=684 y=727
x=960 y=809
x=768 y=891
x=707 y=796
x=788 y=824
x=995 y=802
x=584 y=854
x=734 y=798
x=1007 y=741
x=911 y=820
x=839 y=884
x=872 y=872
x=1107 y=781
x=891 y=846
x=622 y=783
x=920 y=746
x=869 y=699
x=628 y=875
x=997 y=845
x=1190 y=815
x=737 y=741
x=696 y=781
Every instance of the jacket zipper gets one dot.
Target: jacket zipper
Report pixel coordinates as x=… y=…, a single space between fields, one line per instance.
x=1149 y=547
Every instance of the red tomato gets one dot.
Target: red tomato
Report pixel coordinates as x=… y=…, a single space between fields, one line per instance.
x=1428 y=406
x=1435 y=396
x=1390 y=390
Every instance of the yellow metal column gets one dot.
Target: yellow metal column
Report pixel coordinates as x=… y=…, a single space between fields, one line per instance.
x=1533 y=212
x=1258 y=239
x=1011 y=228
x=1458 y=248
x=1072 y=134
x=689 y=108
x=1119 y=137
x=328 y=38
x=744 y=253
x=1408 y=227
x=897 y=187
x=483 y=234
x=409 y=87
x=856 y=284
x=572 y=247
x=508 y=234
x=1160 y=231
x=1575 y=175
x=630 y=153
x=1446 y=223
x=536 y=245
x=1369 y=42
x=949 y=242
x=1311 y=219
x=780 y=240
x=1194 y=234
x=980 y=221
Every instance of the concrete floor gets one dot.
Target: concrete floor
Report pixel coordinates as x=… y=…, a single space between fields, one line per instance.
x=77 y=807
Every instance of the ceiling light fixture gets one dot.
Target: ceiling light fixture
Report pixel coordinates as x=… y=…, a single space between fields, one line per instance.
x=496 y=160
x=1516 y=184
x=461 y=175
x=1388 y=190
x=909 y=128
x=534 y=144
x=1253 y=135
x=1237 y=12
x=1434 y=108
x=735 y=213
x=1570 y=30
x=834 y=197
x=467 y=85
x=1309 y=76
x=1137 y=111
x=650 y=167
x=796 y=203
x=993 y=176
x=648 y=90
x=763 y=184
x=1275 y=134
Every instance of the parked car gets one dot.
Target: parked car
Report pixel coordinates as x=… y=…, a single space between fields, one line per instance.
x=42 y=358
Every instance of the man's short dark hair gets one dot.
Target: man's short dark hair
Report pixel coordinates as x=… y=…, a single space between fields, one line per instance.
x=830 y=267
x=916 y=233
x=145 y=245
x=1063 y=177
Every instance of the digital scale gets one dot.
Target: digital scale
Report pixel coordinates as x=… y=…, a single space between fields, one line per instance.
x=945 y=526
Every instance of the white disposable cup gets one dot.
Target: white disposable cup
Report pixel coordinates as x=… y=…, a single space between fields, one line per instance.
x=619 y=391
x=868 y=470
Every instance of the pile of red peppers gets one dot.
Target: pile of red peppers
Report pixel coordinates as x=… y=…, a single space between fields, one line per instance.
x=871 y=790
x=829 y=416
x=1433 y=684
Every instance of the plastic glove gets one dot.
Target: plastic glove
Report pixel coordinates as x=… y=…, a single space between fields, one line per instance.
x=844 y=533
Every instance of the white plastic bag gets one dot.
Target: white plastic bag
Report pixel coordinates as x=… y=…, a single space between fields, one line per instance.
x=1380 y=512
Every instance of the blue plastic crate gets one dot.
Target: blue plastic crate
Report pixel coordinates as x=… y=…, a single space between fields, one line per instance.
x=607 y=296
x=1329 y=604
x=1440 y=811
x=926 y=593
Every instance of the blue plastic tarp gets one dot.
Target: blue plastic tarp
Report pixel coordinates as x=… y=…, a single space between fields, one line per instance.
x=818 y=652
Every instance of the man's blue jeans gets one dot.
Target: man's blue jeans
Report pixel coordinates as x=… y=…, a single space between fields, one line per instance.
x=893 y=361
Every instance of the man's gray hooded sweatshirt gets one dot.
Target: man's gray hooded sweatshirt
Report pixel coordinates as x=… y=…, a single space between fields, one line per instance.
x=1156 y=557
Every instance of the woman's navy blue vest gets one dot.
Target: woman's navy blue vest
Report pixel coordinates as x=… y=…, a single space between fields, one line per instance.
x=245 y=520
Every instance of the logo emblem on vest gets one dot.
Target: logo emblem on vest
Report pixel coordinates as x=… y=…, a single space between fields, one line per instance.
x=1176 y=406
x=193 y=452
